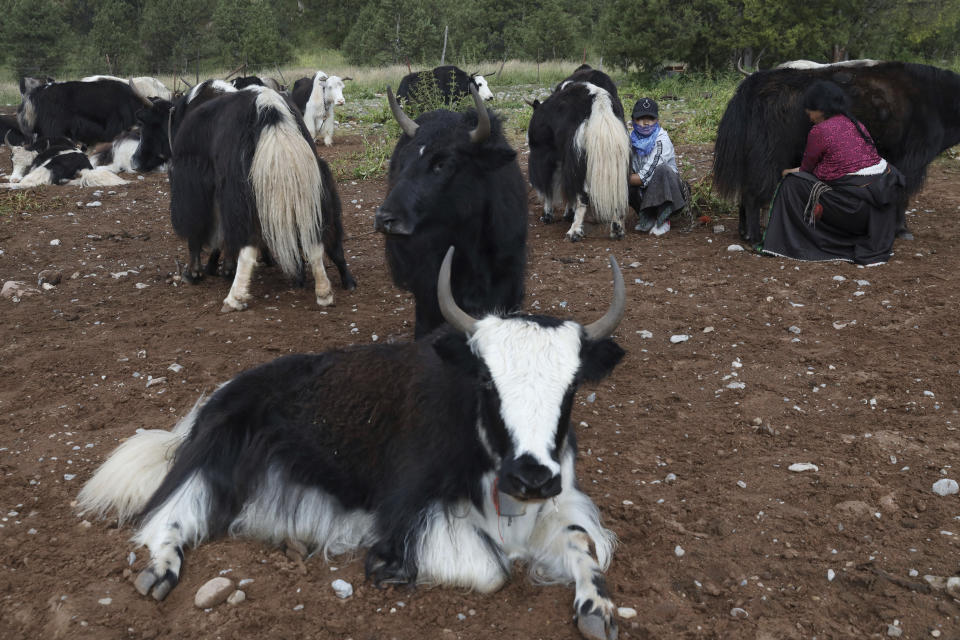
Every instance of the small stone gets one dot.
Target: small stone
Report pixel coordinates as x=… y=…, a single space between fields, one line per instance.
x=213 y=593
x=95 y=203
x=708 y=329
x=678 y=551
x=105 y=601
x=734 y=247
x=643 y=333
x=737 y=612
x=131 y=558
x=236 y=597
x=342 y=588
x=678 y=338
x=945 y=487
x=741 y=484
x=831 y=574
x=894 y=631
x=592 y=398
x=719 y=228
x=626 y=612
x=794 y=329
x=49 y=276
x=153 y=381
x=798 y=467
x=15 y=289
x=671 y=478
x=54 y=243
x=935 y=633
x=176 y=368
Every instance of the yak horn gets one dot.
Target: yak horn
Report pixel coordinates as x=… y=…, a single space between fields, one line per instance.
x=740 y=67
x=604 y=327
x=482 y=132
x=457 y=317
x=407 y=125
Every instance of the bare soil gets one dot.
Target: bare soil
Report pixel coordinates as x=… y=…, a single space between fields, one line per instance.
x=685 y=448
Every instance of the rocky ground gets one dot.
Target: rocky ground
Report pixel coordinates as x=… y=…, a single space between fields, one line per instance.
x=738 y=367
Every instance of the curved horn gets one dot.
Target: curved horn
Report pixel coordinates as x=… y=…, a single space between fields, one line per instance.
x=407 y=125
x=143 y=99
x=482 y=132
x=6 y=140
x=740 y=67
x=345 y=78
x=605 y=326
x=457 y=317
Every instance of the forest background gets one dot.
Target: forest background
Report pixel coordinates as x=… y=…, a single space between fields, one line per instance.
x=68 y=38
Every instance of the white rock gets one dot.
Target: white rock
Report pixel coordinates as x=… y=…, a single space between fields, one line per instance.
x=237 y=597
x=794 y=329
x=643 y=333
x=671 y=478
x=741 y=484
x=213 y=593
x=803 y=466
x=176 y=368
x=929 y=394
x=737 y=385
x=69 y=476
x=734 y=247
x=737 y=612
x=592 y=398
x=105 y=601
x=839 y=278
x=708 y=329
x=678 y=551
x=626 y=612
x=55 y=243
x=153 y=381
x=945 y=487
x=831 y=574
x=678 y=338
x=342 y=588
x=95 y=203
x=894 y=631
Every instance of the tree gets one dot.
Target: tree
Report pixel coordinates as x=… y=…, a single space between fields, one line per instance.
x=175 y=32
x=35 y=36
x=395 y=31
x=248 y=32
x=112 y=35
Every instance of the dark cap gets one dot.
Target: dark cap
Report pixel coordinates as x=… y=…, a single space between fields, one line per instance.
x=645 y=107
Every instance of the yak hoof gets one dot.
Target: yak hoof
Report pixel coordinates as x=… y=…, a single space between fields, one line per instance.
x=348 y=283
x=616 y=231
x=593 y=626
x=575 y=236
x=328 y=142
x=231 y=304
x=547 y=217
x=325 y=301
x=191 y=276
x=145 y=581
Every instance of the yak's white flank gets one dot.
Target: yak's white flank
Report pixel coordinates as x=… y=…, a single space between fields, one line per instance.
x=287 y=186
x=281 y=510
x=133 y=472
x=98 y=177
x=532 y=367
x=483 y=89
x=603 y=137
x=239 y=294
x=122 y=150
x=316 y=107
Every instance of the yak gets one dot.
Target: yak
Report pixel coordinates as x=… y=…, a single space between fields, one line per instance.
x=447 y=459
x=912 y=111
x=454 y=180
x=451 y=81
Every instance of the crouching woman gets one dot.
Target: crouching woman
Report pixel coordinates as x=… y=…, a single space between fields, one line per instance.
x=841 y=202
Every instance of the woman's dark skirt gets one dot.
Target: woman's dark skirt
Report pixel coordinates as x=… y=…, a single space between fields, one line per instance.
x=663 y=195
x=853 y=218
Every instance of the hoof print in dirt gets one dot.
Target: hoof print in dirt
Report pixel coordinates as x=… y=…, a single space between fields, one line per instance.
x=593 y=626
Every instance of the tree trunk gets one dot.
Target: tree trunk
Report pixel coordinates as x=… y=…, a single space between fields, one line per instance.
x=443 y=54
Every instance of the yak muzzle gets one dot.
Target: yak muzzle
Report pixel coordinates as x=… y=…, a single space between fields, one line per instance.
x=525 y=479
x=385 y=221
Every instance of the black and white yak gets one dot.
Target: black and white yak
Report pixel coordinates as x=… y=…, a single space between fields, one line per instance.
x=912 y=111
x=145 y=86
x=454 y=180
x=448 y=459
x=56 y=162
x=86 y=112
x=452 y=82
x=586 y=73
x=245 y=174
x=316 y=98
x=580 y=156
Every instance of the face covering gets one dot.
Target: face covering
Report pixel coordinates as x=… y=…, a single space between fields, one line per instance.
x=642 y=138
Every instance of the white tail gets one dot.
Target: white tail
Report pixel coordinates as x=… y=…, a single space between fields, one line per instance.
x=287 y=186
x=98 y=177
x=134 y=471
x=603 y=137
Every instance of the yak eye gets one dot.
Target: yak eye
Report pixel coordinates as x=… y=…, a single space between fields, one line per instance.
x=437 y=166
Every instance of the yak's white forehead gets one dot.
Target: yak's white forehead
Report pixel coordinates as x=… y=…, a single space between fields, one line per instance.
x=483 y=89
x=532 y=367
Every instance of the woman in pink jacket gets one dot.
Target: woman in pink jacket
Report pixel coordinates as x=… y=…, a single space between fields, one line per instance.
x=841 y=202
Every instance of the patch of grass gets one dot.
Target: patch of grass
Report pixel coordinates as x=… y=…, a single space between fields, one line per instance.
x=366 y=164
x=15 y=202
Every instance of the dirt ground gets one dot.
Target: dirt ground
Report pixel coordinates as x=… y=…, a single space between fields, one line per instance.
x=685 y=448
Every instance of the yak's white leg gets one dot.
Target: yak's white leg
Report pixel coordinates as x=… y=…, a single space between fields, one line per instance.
x=322 y=287
x=181 y=520
x=560 y=546
x=239 y=294
x=326 y=130
x=576 y=229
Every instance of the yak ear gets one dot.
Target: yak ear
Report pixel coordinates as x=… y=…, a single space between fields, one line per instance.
x=451 y=347
x=599 y=358
x=493 y=159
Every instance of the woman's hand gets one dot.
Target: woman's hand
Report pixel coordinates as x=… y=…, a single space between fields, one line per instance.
x=783 y=174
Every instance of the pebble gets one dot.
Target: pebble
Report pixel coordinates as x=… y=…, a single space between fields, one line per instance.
x=734 y=247
x=214 y=592
x=671 y=478
x=678 y=338
x=708 y=329
x=592 y=398
x=678 y=551
x=95 y=203
x=49 y=276
x=719 y=228
x=55 y=243
x=237 y=597
x=342 y=588
x=794 y=329
x=176 y=368
x=105 y=601
x=831 y=574
x=803 y=466
x=737 y=612
x=643 y=333
x=894 y=631
x=626 y=612
x=945 y=487
x=16 y=289
x=741 y=484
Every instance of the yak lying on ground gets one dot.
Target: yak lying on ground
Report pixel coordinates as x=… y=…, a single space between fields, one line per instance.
x=145 y=86
x=580 y=156
x=453 y=84
x=87 y=112
x=123 y=154
x=55 y=162
x=586 y=73
x=448 y=458
x=245 y=174
x=316 y=98
x=10 y=132
x=912 y=111
x=454 y=180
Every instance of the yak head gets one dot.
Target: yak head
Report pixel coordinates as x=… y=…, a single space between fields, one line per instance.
x=440 y=167
x=527 y=370
x=155 y=137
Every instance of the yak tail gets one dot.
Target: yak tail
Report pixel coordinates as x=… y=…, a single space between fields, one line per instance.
x=134 y=471
x=603 y=137
x=98 y=177
x=731 y=150
x=287 y=184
